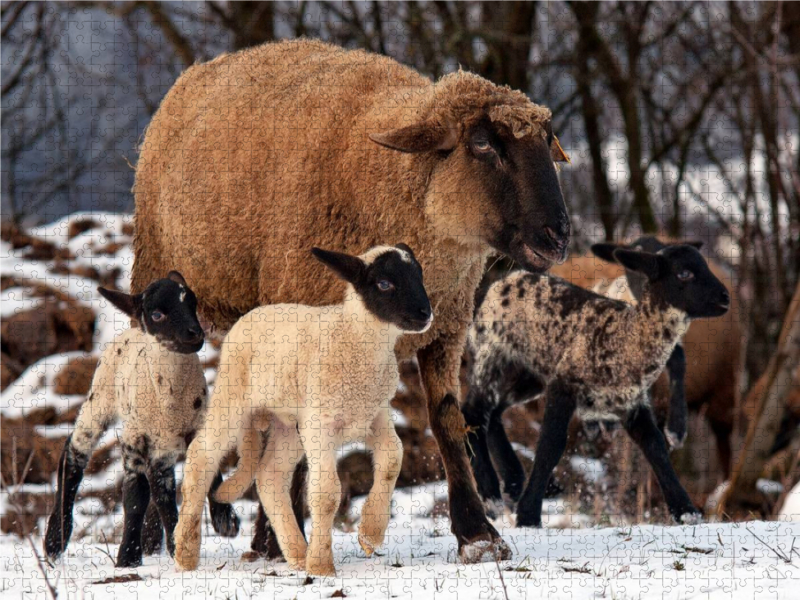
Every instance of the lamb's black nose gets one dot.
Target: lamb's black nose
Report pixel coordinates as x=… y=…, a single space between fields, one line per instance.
x=726 y=299
x=426 y=312
x=196 y=332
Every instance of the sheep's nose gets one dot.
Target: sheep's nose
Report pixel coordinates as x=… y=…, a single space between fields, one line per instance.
x=196 y=332
x=726 y=298
x=426 y=312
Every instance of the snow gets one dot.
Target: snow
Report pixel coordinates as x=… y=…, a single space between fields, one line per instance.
x=739 y=560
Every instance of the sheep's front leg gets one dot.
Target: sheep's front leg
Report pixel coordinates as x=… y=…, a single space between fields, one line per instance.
x=641 y=426
x=559 y=408
x=324 y=495
x=387 y=458
x=273 y=482
x=161 y=476
x=678 y=411
x=439 y=364
x=135 y=498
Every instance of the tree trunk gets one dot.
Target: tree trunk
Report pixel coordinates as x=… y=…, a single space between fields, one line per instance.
x=769 y=395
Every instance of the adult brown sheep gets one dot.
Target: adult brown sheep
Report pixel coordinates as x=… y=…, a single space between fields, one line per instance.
x=255 y=157
x=712 y=349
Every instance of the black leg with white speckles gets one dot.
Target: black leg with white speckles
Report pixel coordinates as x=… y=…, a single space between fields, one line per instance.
x=161 y=477
x=135 y=498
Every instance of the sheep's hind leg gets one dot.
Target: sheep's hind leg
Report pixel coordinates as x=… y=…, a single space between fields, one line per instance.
x=324 y=496
x=477 y=539
x=203 y=458
x=678 y=411
x=387 y=452
x=70 y=474
x=273 y=481
x=475 y=410
x=559 y=408
x=641 y=426
x=511 y=471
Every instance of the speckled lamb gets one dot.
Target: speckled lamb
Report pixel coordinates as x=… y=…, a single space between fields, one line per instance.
x=324 y=376
x=150 y=379
x=536 y=335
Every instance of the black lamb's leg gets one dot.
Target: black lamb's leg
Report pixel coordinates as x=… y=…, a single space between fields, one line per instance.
x=678 y=411
x=511 y=471
x=223 y=516
x=135 y=498
x=152 y=531
x=161 y=476
x=59 y=526
x=559 y=407
x=641 y=426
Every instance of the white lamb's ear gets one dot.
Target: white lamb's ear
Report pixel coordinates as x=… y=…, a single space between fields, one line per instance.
x=349 y=268
x=129 y=304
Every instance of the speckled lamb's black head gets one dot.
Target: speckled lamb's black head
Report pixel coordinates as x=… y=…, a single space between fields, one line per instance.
x=646 y=243
x=167 y=310
x=388 y=279
x=679 y=277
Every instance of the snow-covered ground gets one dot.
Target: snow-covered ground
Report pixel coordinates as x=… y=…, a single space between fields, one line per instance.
x=739 y=560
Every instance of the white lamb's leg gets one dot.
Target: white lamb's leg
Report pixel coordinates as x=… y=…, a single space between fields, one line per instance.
x=324 y=495
x=203 y=458
x=387 y=452
x=273 y=482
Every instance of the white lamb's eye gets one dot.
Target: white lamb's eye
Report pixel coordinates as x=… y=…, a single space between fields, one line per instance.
x=157 y=316
x=685 y=275
x=384 y=285
x=482 y=145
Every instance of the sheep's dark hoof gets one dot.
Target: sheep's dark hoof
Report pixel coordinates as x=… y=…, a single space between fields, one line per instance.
x=690 y=517
x=129 y=560
x=485 y=548
x=225 y=520
x=529 y=520
x=252 y=556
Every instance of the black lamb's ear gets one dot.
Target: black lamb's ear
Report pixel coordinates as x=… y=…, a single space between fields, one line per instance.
x=642 y=262
x=605 y=251
x=349 y=268
x=131 y=305
x=405 y=248
x=177 y=278
x=696 y=243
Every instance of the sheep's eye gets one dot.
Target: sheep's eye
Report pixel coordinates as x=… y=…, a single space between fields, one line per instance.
x=685 y=275
x=482 y=145
x=157 y=316
x=384 y=285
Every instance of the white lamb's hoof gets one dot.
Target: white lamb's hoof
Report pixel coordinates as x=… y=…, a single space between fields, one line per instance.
x=691 y=518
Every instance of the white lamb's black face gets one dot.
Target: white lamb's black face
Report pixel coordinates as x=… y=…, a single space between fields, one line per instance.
x=390 y=287
x=167 y=310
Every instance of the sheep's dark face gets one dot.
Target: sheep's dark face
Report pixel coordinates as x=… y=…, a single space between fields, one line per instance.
x=167 y=310
x=525 y=215
x=646 y=243
x=679 y=277
x=489 y=186
x=389 y=284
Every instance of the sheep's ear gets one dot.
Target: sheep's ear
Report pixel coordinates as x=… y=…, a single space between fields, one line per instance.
x=177 y=278
x=557 y=152
x=127 y=303
x=405 y=248
x=419 y=137
x=349 y=268
x=605 y=251
x=697 y=244
x=642 y=262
